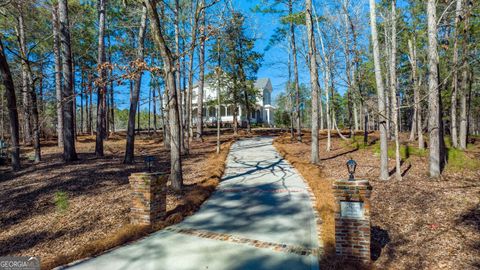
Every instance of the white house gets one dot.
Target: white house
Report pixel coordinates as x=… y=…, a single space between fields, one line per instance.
x=261 y=114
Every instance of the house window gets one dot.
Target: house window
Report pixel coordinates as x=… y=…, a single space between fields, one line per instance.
x=266 y=97
x=211 y=111
x=229 y=110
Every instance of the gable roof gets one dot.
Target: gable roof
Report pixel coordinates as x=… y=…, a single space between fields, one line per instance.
x=261 y=83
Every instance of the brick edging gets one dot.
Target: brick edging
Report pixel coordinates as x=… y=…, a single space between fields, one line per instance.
x=298 y=250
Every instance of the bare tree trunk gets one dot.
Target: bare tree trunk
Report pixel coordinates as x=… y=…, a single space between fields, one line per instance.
x=82 y=90
x=87 y=108
x=27 y=129
x=138 y=113
x=174 y=117
x=355 y=116
x=416 y=94
x=90 y=114
x=178 y=87
x=34 y=112
x=326 y=72
x=312 y=52
x=154 y=100
x=218 y=94
x=348 y=64
x=380 y=95
x=164 y=116
x=434 y=124
x=31 y=111
x=12 y=108
x=388 y=105
x=393 y=90
x=465 y=84
x=365 y=123
x=2 y=116
x=295 y=72
x=453 y=111
x=290 y=95
x=58 y=75
x=196 y=9
x=101 y=87
x=201 y=59
x=149 y=109
x=130 y=146
x=69 y=153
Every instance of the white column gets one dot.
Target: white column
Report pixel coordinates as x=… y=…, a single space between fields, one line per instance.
x=268 y=116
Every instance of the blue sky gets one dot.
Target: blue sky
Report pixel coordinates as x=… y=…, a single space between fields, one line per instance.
x=273 y=66
x=275 y=60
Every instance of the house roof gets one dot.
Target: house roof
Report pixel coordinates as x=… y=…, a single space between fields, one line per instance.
x=261 y=83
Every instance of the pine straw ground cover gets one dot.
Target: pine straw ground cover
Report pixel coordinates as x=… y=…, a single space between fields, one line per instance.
x=417 y=223
x=65 y=212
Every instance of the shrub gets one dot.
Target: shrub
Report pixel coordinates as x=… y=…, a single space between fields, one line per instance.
x=459 y=160
x=61 y=201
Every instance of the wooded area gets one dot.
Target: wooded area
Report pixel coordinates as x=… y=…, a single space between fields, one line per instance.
x=63 y=66
x=93 y=88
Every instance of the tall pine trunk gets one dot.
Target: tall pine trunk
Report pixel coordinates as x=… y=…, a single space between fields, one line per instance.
x=174 y=118
x=295 y=73
x=12 y=108
x=416 y=95
x=326 y=75
x=102 y=84
x=31 y=110
x=201 y=83
x=194 y=21
x=380 y=95
x=178 y=73
x=312 y=52
x=465 y=82
x=393 y=90
x=434 y=124
x=58 y=75
x=69 y=152
x=130 y=146
x=26 y=84
x=111 y=112
x=453 y=111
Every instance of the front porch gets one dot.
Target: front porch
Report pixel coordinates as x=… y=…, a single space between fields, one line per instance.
x=258 y=116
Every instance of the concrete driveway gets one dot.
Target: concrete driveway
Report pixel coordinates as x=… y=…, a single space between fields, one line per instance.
x=260 y=217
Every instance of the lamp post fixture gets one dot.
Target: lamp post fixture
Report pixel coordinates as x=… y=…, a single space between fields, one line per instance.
x=149 y=160
x=351 y=165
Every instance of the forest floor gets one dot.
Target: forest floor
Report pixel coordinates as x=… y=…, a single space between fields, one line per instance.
x=52 y=209
x=62 y=212
x=417 y=223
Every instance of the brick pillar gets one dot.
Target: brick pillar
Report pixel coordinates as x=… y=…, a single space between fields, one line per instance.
x=352 y=219
x=149 y=191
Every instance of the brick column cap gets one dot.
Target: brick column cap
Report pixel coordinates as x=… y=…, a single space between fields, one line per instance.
x=148 y=173
x=355 y=183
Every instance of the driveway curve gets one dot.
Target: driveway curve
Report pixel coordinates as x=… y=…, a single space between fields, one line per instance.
x=260 y=217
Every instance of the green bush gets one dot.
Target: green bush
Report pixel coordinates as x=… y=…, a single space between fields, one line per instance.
x=406 y=151
x=458 y=160
x=61 y=201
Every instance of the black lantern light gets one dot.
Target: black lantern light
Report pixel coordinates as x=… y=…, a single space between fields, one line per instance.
x=149 y=160
x=351 y=165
